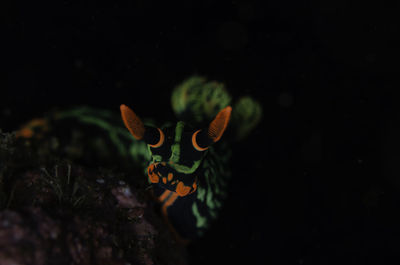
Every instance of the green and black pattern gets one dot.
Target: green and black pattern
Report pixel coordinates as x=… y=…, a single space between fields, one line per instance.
x=204 y=175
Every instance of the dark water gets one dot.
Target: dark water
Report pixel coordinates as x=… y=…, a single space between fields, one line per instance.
x=318 y=182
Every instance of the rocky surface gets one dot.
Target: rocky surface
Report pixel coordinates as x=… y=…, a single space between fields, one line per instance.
x=64 y=213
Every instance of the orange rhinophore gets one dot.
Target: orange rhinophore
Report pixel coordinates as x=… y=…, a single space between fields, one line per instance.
x=132 y=122
x=219 y=124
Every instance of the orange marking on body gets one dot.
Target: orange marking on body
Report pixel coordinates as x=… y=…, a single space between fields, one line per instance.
x=152 y=175
x=150 y=168
x=27 y=130
x=163 y=163
x=181 y=189
x=164 y=180
x=25 y=133
x=219 y=124
x=132 y=122
x=38 y=122
x=161 y=141
x=154 y=178
x=164 y=195
x=170 y=176
x=194 y=142
x=168 y=203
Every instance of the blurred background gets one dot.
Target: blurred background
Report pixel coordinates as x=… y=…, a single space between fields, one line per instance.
x=317 y=182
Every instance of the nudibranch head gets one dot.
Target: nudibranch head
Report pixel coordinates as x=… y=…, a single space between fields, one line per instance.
x=176 y=151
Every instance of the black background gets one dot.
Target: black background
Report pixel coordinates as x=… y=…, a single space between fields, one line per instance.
x=317 y=182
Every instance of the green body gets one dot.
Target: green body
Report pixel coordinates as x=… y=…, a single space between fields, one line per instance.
x=195 y=103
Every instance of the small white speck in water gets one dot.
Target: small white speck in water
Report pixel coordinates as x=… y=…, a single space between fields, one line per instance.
x=121 y=182
x=285 y=99
x=101 y=181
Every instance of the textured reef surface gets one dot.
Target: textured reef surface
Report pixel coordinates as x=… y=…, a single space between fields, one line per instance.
x=55 y=210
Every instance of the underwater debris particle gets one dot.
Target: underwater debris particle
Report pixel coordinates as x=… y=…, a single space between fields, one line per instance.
x=285 y=99
x=121 y=183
